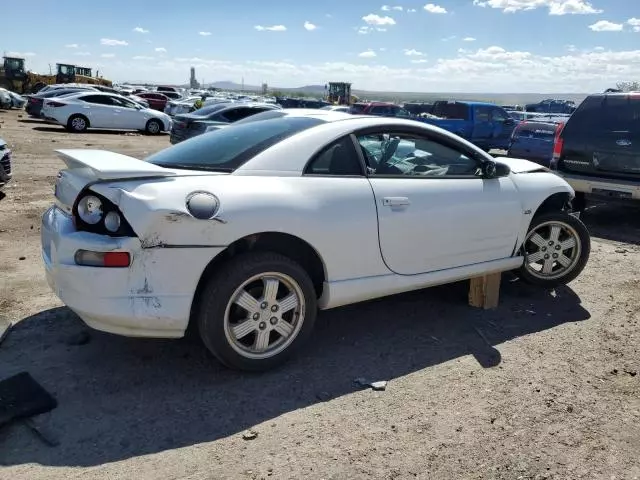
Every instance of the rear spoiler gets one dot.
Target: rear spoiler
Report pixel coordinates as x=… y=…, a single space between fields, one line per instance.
x=107 y=165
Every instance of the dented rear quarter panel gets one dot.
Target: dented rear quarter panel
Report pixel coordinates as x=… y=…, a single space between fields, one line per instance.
x=336 y=216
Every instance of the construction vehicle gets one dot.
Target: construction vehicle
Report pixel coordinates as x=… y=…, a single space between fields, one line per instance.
x=14 y=77
x=339 y=93
x=66 y=73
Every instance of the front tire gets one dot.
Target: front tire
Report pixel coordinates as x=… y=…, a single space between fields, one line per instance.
x=556 y=249
x=256 y=311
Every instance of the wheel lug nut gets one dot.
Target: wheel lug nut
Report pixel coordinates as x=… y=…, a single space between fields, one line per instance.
x=264 y=305
x=555 y=255
x=262 y=325
x=274 y=308
x=546 y=257
x=273 y=320
x=558 y=247
x=256 y=316
x=544 y=249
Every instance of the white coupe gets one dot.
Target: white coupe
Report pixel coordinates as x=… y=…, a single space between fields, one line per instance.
x=80 y=111
x=247 y=231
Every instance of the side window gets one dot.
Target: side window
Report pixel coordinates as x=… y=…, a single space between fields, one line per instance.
x=239 y=113
x=498 y=115
x=339 y=159
x=393 y=154
x=482 y=114
x=96 y=99
x=121 y=102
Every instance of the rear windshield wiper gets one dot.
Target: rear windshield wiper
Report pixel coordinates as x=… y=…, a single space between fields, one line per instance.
x=192 y=166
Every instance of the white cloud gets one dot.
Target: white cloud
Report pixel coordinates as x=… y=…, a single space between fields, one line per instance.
x=21 y=54
x=204 y=34
x=382 y=49
x=431 y=8
x=635 y=24
x=387 y=8
x=108 y=55
x=273 y=28
x=113 y=43
x=468 y=39
x=82 y=54
x=364 y=30
x=449 y=38
x=555 y=7
x=140 y=30
x=142 y=57
x=606 y=26
x=367 y=54
x=412 y=52
x=309 y=26
x=420 y=60
x=411 y=10
x=599 y=49
x=373 y=19
x=71 y=45
x=571 y=48
x=160 y=49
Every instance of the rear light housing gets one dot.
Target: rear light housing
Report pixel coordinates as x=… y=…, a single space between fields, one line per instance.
x=53 y=103
x=88 y=258
x=94 y=213
x=558 y=144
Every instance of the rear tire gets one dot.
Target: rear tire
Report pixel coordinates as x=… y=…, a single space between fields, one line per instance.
x=154 y=127
x=556 y=250
x=271 y=296
x=78 y=123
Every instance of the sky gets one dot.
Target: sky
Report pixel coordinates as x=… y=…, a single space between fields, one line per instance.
x=489 y=46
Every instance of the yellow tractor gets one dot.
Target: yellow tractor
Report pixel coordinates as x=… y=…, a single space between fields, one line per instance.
x=339 y=93
x=14 y=77
x=74 y=74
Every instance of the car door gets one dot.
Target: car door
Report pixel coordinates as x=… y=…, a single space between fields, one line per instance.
x=128 y=115
x=482 y=127
x=434 y=210
x=503 y=126
x=99 y=110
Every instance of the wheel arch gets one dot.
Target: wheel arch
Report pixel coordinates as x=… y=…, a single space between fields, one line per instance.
x=285 y=244
x=73 y=115
x=557 y=201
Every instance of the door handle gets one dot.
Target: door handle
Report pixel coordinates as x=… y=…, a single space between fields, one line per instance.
x=395 y=201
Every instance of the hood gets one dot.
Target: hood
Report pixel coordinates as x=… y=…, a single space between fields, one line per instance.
x=520 y=165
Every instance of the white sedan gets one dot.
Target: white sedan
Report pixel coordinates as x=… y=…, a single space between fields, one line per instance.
x=80 y=111
x=247 y=231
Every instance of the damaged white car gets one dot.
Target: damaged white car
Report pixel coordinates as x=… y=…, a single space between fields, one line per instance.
x=247 y=231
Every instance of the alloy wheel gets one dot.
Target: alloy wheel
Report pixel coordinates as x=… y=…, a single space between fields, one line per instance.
x=264 y=315
x=552 y=250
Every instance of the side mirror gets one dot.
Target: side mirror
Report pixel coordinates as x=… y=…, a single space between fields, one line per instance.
x=489 y=169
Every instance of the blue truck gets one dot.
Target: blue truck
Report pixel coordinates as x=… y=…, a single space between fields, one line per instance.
x=484 y=124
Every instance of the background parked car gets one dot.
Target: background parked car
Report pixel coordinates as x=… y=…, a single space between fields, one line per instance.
x=35 y=102
x=534 y=141
x=5 y=99
x=5 y=163
x=104 y=110
x=598 y=150
x=196 y=123
x=156 y=100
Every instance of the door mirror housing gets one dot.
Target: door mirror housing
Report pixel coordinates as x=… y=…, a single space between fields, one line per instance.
x=489 y=169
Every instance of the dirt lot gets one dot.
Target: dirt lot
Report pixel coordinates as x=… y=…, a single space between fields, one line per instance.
x=545 y=386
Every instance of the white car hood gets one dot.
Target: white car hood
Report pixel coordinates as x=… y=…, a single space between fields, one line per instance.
x=520 y=165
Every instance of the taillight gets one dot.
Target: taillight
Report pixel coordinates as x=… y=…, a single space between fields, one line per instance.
x=34 y=100
x=88 y=258
x=52 y=103
x=558 y=142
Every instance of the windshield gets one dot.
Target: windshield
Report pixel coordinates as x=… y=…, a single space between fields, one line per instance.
x=228 y=148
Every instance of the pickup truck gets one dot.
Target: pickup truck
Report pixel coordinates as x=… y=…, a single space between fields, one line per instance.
x=486 y=125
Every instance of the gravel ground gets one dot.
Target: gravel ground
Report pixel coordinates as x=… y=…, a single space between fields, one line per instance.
x=545 y=386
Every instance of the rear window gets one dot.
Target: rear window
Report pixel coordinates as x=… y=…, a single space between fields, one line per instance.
x=605 y=113
x=358 y=108
x=453 y=110
x=544 y=131
x=228 y=148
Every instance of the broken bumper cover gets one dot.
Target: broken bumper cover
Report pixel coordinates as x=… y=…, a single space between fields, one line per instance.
x=150 y=298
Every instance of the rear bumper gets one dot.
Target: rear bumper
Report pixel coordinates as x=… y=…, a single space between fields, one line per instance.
x=150 y=298
x=604 y=188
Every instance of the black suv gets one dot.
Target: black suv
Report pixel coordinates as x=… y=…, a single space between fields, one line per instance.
x=598 y=150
